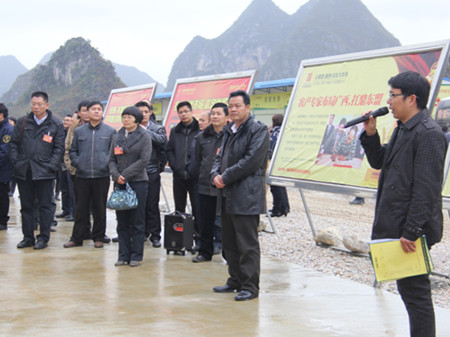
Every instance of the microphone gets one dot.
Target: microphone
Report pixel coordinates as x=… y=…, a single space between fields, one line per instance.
x=378 y=112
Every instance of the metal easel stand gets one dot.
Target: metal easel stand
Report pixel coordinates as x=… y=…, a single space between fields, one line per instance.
x=274 y=229
x=165 y=199
x=308 y=214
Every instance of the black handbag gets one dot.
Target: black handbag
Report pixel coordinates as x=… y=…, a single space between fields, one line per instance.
x=122 y=199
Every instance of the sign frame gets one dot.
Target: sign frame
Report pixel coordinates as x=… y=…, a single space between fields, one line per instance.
x=332 y=187
x=129 y=89
x=208 y=78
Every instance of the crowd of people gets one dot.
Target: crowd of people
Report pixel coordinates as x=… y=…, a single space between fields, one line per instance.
x=218 y=160
x=222 y=166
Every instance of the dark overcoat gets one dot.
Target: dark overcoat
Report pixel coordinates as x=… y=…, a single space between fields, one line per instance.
x=409 y=200
x=244 y=174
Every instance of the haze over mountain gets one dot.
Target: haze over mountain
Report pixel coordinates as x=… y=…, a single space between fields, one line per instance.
x=132 y=76
x=76 y=71
x=273 y=42
x=129 y=75
x=10 y=68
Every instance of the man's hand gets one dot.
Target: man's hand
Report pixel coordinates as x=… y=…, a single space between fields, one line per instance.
x=121 y=180
x=407 y=245
x=218 y=182
x=370 y=125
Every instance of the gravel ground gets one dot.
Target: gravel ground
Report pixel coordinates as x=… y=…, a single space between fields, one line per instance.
x=294 y=240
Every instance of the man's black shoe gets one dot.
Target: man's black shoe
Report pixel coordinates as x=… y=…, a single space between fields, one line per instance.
x=200 y=258
x=41 y=244
x=225 y=289
x=245 y=295
x=69 y=217
x=25 y=244
x=156 y=243
x=106 y=239
x=62 y=215
x=3 y=227
x=115 y=239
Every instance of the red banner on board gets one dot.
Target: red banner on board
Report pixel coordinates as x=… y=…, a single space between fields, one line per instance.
x=118 y=101
x=203 y=95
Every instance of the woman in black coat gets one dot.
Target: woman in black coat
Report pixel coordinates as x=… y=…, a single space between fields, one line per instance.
x=130 y=153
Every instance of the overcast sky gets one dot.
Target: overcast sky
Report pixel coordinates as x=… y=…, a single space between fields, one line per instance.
x=150 y=34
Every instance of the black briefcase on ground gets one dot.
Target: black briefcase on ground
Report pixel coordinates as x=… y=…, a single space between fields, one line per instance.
x=178 y=233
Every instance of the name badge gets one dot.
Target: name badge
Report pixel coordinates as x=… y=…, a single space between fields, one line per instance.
x=118 y=150
x=47 y=138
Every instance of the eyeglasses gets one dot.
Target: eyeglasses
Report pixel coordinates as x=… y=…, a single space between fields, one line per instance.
x=391 y=95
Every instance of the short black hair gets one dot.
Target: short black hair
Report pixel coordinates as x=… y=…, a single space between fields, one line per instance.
x=184 y=103
x=91 y=104
x=68 y=115
x=412 y=83
x=4 y=110
x=144 y=103
x=82 y=104
x=277 y=119
x=134 y=111
x=40 y=94
x=221 y=105
x=242 y=93
x=12 y=118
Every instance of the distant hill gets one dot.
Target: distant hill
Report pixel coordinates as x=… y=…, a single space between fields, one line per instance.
x=269 y=40
x=132 y=76
x=75 y=72
x=10 y=68
x=129 y=75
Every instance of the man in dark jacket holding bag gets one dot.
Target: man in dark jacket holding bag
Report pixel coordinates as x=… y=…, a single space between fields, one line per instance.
x=409 y=201
x=239 y=172
x=37 y=148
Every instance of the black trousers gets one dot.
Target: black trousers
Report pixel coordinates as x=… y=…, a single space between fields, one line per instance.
x=152 y=215
x=241 y=247
x=416 y=295
x=43 y=191
x=90 y=192
x=66 y=203
x=181 y=188
x=206 y=224
x=131 y=226
x=4 y=203
x=280 y=199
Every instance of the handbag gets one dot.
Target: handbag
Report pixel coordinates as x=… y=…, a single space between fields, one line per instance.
x=122 y=199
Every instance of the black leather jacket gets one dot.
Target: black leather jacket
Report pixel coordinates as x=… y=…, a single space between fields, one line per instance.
x=42 y=154
x=180 y=140
x=158 y=159
x=206 y=146
x=242 y=162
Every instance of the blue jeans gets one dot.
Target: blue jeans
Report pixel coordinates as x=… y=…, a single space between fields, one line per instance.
x=131 y=226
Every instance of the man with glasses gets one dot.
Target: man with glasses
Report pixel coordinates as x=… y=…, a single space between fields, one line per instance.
x=37 y=148
x=409 y=201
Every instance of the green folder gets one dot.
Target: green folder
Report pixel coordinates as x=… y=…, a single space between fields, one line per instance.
x=390 y=262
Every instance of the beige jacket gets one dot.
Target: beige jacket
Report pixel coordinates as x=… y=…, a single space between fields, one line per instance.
x=68 y=144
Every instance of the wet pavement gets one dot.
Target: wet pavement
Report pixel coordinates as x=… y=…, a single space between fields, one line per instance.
x=79 y=291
